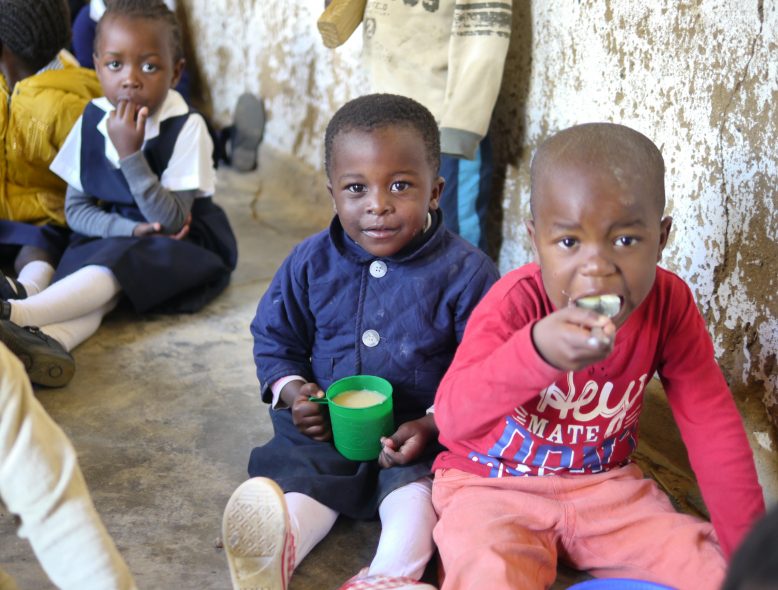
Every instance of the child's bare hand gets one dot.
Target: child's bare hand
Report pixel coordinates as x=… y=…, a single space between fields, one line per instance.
x=127 y=127
x=184 y=231
x=408 y=442
x=573 y=338
x=155 y=229
x=307 y=416
x=146 y=229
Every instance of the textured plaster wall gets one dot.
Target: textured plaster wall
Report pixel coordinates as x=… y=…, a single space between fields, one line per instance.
x=701 y=79
x=272 y=48
x=698 y=77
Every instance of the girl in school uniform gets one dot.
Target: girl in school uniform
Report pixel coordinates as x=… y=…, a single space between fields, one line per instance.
x=140 y=180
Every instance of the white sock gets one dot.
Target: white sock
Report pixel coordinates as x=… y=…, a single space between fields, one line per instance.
x=407 y=520
x=85 y=291
x=310 y=522
x=36 y=276
x=73 y=332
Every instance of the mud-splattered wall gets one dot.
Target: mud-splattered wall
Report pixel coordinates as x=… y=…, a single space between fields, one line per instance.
x=273 y=49
x=700 y=78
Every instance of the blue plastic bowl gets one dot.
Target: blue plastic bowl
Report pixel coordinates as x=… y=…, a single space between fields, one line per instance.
x=618 y=584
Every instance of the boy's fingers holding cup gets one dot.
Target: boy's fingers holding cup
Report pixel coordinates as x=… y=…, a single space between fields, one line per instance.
x=311 y=390
x=304 y=409
x=307 y=415
x=388 y=442
x=389 y=456
x=314 y=425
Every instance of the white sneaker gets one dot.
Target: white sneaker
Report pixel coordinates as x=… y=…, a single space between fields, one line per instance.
x=257 y=537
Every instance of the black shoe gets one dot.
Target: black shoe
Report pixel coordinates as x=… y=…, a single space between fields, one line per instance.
x=5 y=310
x=46 y=361
x=242 y=138
x=11 y=288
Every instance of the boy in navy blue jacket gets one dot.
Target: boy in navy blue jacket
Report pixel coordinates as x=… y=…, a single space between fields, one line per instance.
x=386 y=291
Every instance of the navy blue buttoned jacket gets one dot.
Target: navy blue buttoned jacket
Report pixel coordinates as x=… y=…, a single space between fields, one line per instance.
x=334 y=310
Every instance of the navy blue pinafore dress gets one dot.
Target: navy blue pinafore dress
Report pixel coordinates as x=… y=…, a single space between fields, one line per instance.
x=16 y=234
x=156 y=273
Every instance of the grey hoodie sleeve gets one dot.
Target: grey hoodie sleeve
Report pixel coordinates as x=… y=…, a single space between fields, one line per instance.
x=156 y=203
x=85 y=216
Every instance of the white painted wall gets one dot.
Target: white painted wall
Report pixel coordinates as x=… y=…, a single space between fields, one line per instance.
x=272 y=48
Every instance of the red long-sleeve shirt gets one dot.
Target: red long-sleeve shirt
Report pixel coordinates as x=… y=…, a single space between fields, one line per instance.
x=503 y=411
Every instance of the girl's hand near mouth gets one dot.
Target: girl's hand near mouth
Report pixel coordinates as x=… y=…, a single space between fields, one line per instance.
x=127 y=127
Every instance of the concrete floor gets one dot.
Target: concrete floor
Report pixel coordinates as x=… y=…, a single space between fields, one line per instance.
x=164 y=410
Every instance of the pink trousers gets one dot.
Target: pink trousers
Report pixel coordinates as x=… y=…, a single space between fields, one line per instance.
x=508 y=533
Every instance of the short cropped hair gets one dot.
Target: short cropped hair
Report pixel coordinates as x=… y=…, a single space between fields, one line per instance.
x=625 y=152
x=145 y=9
x=376 y=111
x=35 y=30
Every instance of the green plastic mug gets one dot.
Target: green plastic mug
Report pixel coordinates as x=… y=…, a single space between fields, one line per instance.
x=358 y=431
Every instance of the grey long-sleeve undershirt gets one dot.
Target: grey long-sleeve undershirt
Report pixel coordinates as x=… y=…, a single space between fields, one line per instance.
x=156 y=203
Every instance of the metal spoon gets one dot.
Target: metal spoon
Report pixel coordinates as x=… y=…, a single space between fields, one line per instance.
x=607 y=305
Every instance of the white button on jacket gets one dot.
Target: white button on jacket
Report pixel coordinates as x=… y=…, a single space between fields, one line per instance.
x=378 y=268
x=370 y=338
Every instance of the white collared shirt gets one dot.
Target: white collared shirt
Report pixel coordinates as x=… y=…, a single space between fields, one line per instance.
x=190 y=166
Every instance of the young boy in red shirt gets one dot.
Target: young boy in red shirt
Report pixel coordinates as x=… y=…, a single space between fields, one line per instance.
x=540 y=407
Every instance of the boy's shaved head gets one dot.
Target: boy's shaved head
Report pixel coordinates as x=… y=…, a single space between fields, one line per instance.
x=628 y=156
x=597 y=203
